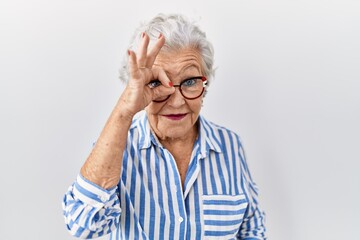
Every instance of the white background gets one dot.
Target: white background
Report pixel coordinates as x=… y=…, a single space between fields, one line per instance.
x=288 y=82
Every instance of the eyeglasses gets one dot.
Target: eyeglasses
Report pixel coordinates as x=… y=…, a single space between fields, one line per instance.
x=190 y=88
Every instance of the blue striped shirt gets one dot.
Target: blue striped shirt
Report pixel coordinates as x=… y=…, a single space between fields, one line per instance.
x=219 y=199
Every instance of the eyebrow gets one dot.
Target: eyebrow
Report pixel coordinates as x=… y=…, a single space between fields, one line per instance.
x=184 y=74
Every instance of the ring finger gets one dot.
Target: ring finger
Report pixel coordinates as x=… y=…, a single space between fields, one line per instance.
x=142 y=51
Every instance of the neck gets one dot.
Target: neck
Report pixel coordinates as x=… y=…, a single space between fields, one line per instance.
x=186 y=141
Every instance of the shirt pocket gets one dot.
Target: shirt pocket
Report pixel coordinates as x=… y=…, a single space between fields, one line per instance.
x=223 y=215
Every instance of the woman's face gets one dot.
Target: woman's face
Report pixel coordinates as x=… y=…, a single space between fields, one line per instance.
x=176 y=117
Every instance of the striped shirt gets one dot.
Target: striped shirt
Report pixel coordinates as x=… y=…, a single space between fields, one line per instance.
x=219 y=199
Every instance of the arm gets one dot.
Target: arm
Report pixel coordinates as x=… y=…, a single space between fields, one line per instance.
x=89 y=210
x=253 y=226
x=91 y=206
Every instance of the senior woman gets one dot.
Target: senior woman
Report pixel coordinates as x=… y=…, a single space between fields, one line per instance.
x=167 y=173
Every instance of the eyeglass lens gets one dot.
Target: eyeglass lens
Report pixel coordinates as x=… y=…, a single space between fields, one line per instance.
x=190 y=88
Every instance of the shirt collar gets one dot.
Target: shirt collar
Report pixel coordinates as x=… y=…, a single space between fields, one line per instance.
x=207 y=136
x=144 y=129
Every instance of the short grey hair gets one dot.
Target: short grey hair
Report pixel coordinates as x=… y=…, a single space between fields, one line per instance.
x=180 y=33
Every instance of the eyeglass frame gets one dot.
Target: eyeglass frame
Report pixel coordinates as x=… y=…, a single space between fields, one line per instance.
x=204 y=82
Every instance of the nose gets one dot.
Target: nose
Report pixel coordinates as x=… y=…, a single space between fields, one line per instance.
x=176 y=99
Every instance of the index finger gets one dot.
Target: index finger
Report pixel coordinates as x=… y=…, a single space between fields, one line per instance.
x=159 y=74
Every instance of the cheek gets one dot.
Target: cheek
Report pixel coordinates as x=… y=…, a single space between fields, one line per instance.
x=154 y=108
x=196 y=106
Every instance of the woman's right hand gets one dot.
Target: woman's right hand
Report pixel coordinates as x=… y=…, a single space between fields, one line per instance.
x=137 y=94
x=103 y=166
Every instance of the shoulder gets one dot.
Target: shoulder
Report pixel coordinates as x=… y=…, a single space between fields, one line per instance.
x=221 y=134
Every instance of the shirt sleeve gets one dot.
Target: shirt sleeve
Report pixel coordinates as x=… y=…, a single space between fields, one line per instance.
x=89 y=210
x=253 y=226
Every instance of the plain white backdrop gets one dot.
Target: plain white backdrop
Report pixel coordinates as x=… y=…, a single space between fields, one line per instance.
x=287 y=81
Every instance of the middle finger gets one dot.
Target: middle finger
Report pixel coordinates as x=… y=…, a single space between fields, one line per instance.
x=154 y=51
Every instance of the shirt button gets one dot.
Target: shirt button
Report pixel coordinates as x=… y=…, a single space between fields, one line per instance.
x=181 y=219
x=103 y=198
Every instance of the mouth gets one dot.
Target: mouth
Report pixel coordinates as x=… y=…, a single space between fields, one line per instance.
x=175 y=117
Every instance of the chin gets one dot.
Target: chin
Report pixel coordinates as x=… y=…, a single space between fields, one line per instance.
x=174 y=133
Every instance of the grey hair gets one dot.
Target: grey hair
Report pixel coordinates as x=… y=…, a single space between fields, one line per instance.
x=179 y=33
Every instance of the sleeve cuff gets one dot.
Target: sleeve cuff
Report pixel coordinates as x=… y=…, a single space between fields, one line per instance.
x=92 y=194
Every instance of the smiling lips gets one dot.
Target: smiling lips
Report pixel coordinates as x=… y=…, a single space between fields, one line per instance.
x=175 y=116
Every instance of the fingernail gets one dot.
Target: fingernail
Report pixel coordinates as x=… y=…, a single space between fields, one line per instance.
x=143 y=35
x=160 y=35
x=171 y=84
x=128 y=51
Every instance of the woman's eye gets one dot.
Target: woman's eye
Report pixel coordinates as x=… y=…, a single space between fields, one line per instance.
x=189 y=82
x=154 y=83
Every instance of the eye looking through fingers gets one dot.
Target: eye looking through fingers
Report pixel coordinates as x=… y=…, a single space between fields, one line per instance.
x=154 y=83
